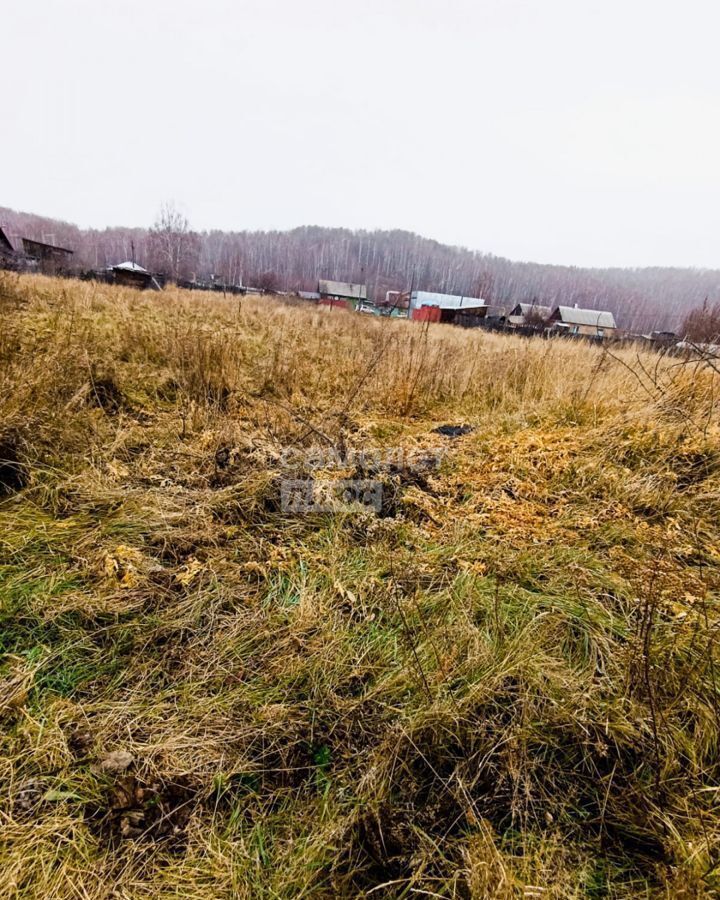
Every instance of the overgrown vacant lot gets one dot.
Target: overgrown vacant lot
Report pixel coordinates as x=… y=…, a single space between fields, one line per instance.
x=503 y=684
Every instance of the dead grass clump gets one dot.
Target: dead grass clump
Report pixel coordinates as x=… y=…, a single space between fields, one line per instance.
x=504 y=684
x=437 y=784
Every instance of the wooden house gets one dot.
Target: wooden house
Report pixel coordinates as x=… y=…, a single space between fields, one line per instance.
x=8 y=251
x=590 y=322
x=48 y=258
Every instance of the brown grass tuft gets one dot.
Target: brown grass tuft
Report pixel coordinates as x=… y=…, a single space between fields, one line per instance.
x=504 y=684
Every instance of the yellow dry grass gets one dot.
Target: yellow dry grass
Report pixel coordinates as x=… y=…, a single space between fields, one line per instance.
x=503 y=685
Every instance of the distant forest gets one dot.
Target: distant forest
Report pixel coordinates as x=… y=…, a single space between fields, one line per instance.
x=641 y=299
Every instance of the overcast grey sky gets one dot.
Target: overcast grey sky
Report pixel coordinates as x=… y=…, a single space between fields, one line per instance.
x=568 y=131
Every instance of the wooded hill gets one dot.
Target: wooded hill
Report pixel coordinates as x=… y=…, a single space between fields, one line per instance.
x=641 y=299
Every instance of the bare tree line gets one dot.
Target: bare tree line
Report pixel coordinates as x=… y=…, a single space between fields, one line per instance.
x=384 y=260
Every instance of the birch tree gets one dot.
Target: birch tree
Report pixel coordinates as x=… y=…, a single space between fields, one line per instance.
x=173 y=246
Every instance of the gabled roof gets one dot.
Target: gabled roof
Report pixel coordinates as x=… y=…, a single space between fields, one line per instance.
x=571 y=315
x=343 y=289
x=531 y=309
x=6 y=243
x=29 y=243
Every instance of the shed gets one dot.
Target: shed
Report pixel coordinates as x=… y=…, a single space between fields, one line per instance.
x=497 y=314
x=130 y=274
x=448 y=306
x=427 y=314
x=573 y=320
x=664 y=338
x=341 y=293
x=50 y=258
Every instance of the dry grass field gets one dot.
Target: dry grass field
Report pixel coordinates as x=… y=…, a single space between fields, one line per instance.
x=501 y=684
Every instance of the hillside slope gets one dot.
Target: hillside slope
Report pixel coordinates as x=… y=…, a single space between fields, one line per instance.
x=501 y=683
x=641 y=299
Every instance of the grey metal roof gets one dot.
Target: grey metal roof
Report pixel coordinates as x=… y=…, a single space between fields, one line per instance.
x=598 y=318
x=445 y=301
x=343 y=289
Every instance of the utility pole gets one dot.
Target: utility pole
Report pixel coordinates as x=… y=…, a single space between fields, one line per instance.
x=412 y=285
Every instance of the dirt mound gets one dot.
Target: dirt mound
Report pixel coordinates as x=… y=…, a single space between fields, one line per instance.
x=147 y=811
x=105 y=394
x=13 y=472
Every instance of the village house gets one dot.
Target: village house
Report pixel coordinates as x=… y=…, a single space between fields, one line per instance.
x=27 y=254
x=48 y=258
x=8 y=252
x=590 y=322
x=524 y=314
x=341 y=293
